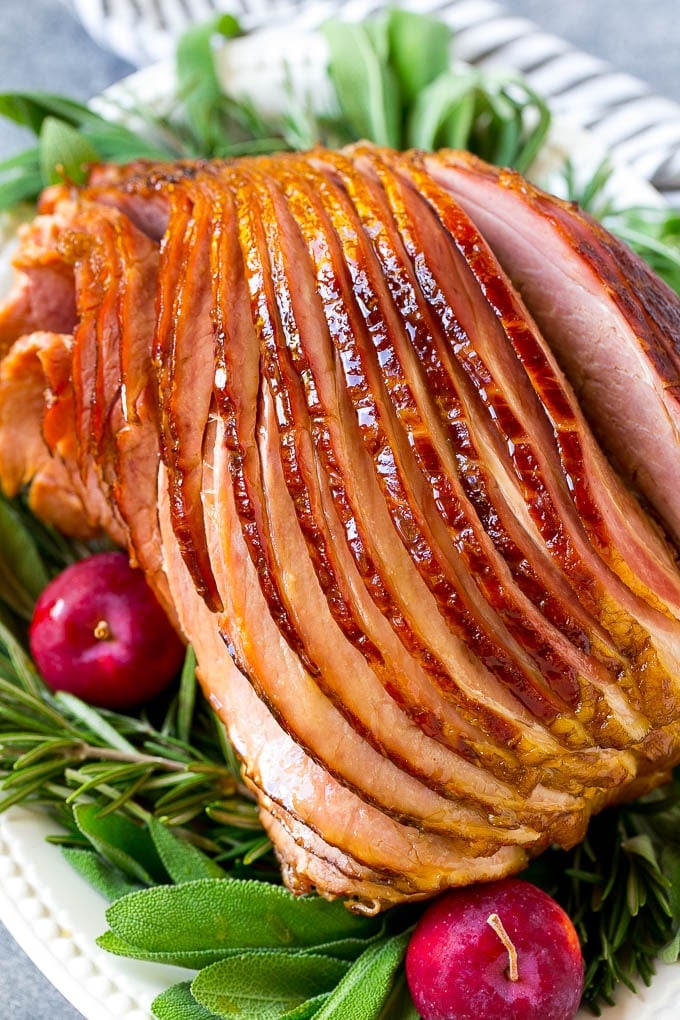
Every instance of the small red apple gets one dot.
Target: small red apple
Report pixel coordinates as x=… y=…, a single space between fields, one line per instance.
x=98 y=632
x=502 y=951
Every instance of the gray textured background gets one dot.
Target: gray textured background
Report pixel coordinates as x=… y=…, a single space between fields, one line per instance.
x=42 y=47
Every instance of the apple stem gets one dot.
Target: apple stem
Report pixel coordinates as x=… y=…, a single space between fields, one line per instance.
x=102 y=631
x=494 y=921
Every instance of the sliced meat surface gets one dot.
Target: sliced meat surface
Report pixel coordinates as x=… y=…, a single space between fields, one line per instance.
x=419 y=416
x=566 y=464
x=611 y=322
x=43 y=297
x=309 y=487
x=378 y=842
x=315 y=397
x=25 y=456
x=185 y=362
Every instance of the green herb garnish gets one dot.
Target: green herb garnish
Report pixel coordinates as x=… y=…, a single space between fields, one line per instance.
x=655 y=235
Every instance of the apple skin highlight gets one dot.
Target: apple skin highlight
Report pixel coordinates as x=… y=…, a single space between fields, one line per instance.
x=459 y=968
x=98 y=632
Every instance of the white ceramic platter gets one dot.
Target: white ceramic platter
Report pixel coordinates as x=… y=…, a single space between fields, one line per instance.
x=51 y=912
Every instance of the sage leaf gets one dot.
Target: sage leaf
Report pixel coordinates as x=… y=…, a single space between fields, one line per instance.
x=443 y=114
x=229 y=914
x=195 y=960
x=366 y=86
x=536 y=120
x=18 y=187
x=113 y=142
x=346 y=949
x=117 y=144
x=122 y=842
x=399 y=1004
x=177 y=1003
x=362 y=993
x=27 y=159
x=306 y=1010
x=419 y=49
x=199 y=86
x=64 y=152
x=101 y=875
x=266 y=985
x=182 y=861
x=502 y=142
x=30 y=109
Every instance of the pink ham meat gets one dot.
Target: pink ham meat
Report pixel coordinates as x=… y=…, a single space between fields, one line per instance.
x=338 y=407
x=613 y=326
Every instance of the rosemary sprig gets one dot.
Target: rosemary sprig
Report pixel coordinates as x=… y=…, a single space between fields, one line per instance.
x=57 y=752
x=181 y=787
x=619 y=886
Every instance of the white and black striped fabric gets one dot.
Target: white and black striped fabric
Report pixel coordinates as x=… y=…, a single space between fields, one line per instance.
x=637 y=127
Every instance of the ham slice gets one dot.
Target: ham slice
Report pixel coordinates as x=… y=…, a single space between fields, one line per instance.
x=333 y=405
x=612 y=324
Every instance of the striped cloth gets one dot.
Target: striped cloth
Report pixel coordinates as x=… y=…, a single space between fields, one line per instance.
x=639 y=129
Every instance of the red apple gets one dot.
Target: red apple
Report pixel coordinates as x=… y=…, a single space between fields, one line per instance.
x=99 y=632
x=502 y=951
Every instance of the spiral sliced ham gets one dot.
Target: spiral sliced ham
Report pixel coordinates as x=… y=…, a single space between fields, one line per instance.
x=338 y=407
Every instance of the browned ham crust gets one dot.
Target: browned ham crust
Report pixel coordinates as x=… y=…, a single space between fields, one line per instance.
x=335 y=407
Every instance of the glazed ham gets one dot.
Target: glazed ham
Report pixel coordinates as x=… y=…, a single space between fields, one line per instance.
x=338 y=407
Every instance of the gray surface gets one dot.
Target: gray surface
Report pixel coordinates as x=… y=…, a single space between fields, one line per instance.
x=42 y=47
x=641 y=37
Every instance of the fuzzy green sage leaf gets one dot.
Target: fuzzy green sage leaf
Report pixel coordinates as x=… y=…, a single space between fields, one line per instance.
x=182 y=861
x=306 y=1010
x=30 y=109
x=265 y=985
x=198 y=83
x=365 y=84
x=102 y=876
x=230 y=914
x=177 y=1003
x=196 y=959
x=64 y=152
x=193 y=960
x=124 y=843
x=365 y=988
x=419 y=50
